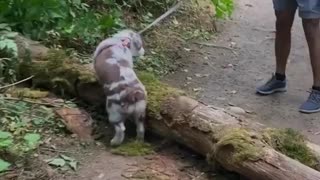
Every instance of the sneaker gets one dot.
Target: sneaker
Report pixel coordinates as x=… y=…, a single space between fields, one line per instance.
x=312 y=105
x=272 y=86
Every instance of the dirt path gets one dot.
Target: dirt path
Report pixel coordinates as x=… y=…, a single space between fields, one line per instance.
x=233 y=78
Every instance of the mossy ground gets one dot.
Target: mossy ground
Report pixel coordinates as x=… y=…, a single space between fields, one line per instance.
x=292 y=144
x=133 y=148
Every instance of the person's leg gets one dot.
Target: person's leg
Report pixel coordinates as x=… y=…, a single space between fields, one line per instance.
x=283 y=39
x=309 y=11
x=312 y=33
x=285 y=12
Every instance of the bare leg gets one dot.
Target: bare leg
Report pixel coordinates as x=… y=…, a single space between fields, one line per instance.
x=312 y=33
x=282 y=49
x=283 y=39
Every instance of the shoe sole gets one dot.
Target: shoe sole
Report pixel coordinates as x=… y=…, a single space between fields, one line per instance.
x=309 y=111
x=272 y=92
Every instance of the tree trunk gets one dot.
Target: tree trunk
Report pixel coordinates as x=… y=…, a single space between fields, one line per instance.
x=236 y=143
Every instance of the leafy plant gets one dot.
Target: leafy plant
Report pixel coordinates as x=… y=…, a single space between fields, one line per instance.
x=4 y=165
x=8 y=53
x=224 y=8
x=63 y=162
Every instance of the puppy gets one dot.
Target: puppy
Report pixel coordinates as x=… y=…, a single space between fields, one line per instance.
x=126 y=96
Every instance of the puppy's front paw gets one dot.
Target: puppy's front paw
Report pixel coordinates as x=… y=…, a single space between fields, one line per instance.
x=115 y=142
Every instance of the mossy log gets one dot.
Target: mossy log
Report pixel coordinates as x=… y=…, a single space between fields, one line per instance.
x=237 y=144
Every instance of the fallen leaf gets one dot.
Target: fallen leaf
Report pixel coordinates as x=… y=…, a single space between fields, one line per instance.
x=197 y=89
x=67 y=158
x=175 y=22
x=32 y=139
x=4 y=165
x=73 y=165
x=58 y=162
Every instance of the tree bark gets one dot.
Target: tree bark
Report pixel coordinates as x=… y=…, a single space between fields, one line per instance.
x=236 y=143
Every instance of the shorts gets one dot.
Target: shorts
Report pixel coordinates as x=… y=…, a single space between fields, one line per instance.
x=308 y=9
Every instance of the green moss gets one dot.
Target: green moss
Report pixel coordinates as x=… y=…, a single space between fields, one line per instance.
x=241 y=144
x=157 y=92
x=133 y=148
x=27 y=93
x=57 y=72
x=290 y=143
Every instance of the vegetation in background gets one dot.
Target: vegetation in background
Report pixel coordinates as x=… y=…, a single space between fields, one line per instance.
x=224 y=8
x=8 y=54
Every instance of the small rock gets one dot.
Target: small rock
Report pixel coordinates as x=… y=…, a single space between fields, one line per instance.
x=221 y=99
x=233 y=44
x=186 y=70
x=233 y=92
x=237 y=110
x=197 y=89
x=230 y=65
x=189 y=78
x=198 y=75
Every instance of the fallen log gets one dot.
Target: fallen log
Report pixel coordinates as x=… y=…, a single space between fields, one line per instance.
x=238 y=144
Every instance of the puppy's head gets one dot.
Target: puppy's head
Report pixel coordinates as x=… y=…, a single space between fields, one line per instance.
x=136 y=43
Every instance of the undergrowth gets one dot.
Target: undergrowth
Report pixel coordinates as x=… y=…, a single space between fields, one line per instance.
x=22 y=126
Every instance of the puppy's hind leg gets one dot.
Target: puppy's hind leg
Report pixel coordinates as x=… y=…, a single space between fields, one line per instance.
x=119 y=134
x=117 y=120
x=139 y=118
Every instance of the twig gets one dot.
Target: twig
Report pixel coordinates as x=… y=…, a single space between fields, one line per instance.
x=171 y=10
x=216 y=46
x=32 y=102
x=53 y=150
x=13 y=84
x=266 y=39
x=265 y=30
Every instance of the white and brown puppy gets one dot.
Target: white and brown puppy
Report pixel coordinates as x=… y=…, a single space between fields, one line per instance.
x=126 y=96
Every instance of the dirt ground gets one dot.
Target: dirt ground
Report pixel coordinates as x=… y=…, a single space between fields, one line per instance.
x=227 y=78
x=233 y=78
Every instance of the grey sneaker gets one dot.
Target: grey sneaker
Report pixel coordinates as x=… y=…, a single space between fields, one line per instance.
x=272 y=86
x=312 y=105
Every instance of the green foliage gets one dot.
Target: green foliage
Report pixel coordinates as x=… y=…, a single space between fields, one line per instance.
x=8 y=54
x=224 y=8
x=60 y=21
x=4 y=165
x=63 y=162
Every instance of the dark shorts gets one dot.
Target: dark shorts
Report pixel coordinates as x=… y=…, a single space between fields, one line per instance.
x=308 y=9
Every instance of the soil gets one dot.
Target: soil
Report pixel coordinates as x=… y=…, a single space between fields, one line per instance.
x=220 y=77
x=234 y=76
